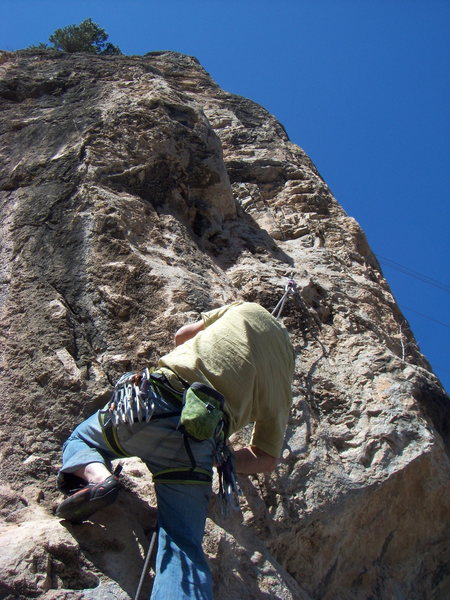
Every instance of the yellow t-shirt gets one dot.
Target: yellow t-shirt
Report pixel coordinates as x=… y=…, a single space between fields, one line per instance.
x=245 y=354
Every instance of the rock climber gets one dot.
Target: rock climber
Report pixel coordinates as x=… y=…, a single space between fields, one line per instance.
x=245 y=354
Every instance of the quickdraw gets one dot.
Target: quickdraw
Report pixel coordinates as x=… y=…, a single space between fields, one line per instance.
x=133 y=399
x=229 y=490
x=291 y=287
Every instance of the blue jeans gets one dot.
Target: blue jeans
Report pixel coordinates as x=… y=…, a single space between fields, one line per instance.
x=182 y=572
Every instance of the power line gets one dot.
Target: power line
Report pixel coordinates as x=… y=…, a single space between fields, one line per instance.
x=424 y=279
x=441 y=369
x=416 y=274
x=425 y=316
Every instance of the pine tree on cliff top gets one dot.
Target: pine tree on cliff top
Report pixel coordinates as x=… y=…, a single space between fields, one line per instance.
x=85 y=37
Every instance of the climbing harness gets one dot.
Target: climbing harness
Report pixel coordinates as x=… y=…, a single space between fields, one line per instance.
x=290 y=288
x=201 y=413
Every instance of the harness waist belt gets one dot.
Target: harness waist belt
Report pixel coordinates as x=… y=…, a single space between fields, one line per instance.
x=184 y=475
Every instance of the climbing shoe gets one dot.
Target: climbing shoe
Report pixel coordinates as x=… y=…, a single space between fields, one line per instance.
x=84 y=502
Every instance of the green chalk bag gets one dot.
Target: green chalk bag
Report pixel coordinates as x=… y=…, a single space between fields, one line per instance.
x=202 y=415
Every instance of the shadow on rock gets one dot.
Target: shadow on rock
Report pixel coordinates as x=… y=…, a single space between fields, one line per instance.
x=116 y=539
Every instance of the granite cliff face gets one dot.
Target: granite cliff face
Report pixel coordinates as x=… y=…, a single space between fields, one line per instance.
x=136 y=193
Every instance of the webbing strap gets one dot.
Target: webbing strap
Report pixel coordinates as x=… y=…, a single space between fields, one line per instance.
x=184 y=476
x=110 y=435
x=160 y=381
x=188 y=448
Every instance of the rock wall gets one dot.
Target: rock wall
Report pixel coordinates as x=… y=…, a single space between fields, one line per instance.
x=136 y=193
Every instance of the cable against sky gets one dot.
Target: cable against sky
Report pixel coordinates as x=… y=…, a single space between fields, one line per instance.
x=412 y=273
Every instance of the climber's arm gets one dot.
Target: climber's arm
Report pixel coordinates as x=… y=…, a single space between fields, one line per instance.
x=188 y=331
x=253 y=460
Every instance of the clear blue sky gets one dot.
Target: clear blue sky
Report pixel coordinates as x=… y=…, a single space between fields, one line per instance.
x=361 y=85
